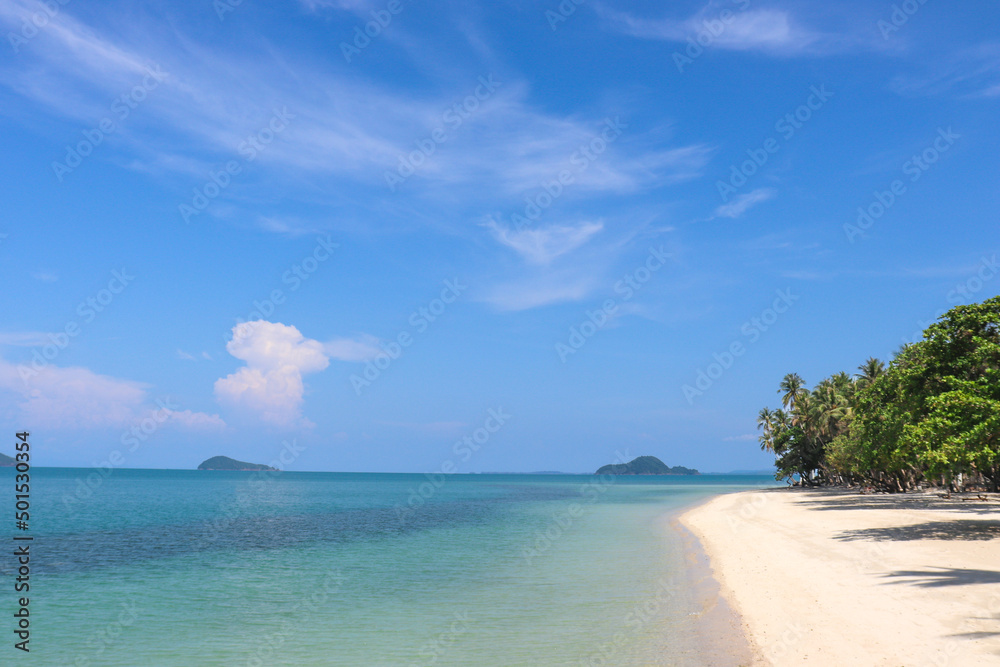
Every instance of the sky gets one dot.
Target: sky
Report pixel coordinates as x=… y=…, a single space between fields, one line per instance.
x=394 y=236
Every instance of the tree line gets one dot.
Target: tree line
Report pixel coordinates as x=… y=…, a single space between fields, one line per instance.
x=929 y=417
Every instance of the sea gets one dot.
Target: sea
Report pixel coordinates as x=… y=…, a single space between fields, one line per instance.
x=170 y=567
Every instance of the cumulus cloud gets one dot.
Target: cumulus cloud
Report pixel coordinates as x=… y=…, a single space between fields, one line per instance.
x=77 y=398
x=270 y=384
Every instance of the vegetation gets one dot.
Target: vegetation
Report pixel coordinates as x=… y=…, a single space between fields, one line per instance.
x=226 y=463
x=644 y=465
x=932 y=416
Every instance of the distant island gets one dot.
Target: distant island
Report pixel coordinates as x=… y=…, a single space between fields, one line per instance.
x=6 y=461
x=226 y=463
x=644 y=465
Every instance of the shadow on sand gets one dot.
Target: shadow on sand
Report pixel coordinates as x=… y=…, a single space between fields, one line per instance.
x=843 y=499
x=957 y=529
x=943 y=576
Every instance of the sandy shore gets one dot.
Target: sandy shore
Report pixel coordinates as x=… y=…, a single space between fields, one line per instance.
x=837 y=578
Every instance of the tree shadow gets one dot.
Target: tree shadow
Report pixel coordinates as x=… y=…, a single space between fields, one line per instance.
x=957 y=529
x=843 y=499
x=943 y=576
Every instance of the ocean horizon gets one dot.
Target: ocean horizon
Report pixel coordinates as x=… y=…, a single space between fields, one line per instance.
x=189 y=567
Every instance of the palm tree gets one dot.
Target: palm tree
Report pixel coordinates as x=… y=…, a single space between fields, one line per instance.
x=765 y=420
x=793 y=386
x=871 y=369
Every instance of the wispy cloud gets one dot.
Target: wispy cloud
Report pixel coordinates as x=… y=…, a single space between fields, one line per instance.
x=769 y=30
x=541 y=246
x=973 y=72
x=45 y=276
x=77 y=398
x=344 y=131
x=773 y=31
x=360 y=348
x=25 y=338
x=541 y=290
x=743 y=203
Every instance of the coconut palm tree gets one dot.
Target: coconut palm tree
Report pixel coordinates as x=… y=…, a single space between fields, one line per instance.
x=794 y=387
x=871 y=369
x=765 y=420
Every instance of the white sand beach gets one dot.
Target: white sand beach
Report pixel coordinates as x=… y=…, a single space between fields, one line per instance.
x=836 y=578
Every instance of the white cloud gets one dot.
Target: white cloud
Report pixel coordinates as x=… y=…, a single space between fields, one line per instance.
x=45 y=276
x=542 y=290
x=772 y=31
x=542 y=245
x=741 y=204
x=25 y=338
x=342 y=126
x=181 y=354
x=270 y=385
x=196 y=421
x=360 y=348
x=77 y=398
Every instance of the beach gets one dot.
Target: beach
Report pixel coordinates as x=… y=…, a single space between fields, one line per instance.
x=832 y=577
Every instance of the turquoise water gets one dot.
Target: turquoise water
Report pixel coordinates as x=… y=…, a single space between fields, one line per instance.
x=158 y=567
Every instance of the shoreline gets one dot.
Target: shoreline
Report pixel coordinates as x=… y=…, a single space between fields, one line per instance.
x=720 y=638
x=834 y=577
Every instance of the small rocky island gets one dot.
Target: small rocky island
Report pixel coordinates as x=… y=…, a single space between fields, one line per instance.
x=226 y=463
x=644 y=465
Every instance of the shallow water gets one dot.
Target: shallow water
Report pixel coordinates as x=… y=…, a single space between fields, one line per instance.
x=223 y=568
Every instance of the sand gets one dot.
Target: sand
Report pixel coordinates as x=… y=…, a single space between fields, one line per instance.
x=838 y=578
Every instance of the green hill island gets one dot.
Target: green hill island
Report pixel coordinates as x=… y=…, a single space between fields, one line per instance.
x=644 y=465
x=226 y=463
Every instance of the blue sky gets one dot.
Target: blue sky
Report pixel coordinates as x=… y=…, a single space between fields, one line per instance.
x=565 y=217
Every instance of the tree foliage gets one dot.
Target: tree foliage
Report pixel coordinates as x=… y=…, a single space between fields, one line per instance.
x=932 y=414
